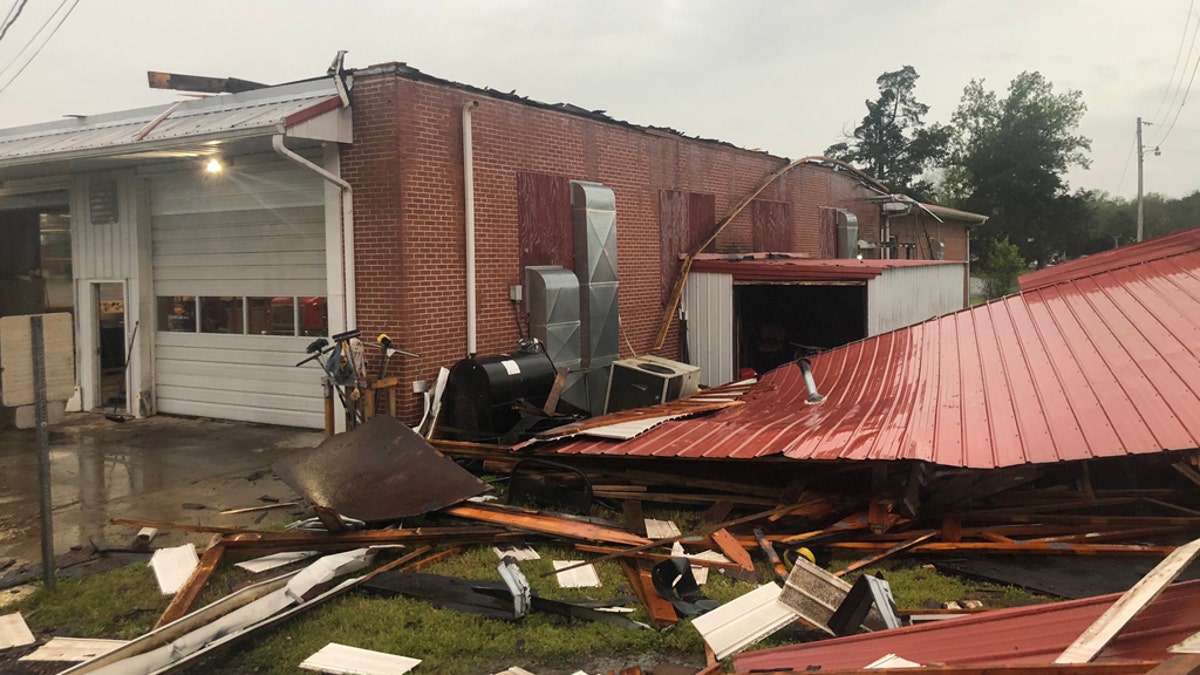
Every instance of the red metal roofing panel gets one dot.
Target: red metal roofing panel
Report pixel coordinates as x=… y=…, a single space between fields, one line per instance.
x=1124 y=256
x=1102 y=365
x=1025 y=635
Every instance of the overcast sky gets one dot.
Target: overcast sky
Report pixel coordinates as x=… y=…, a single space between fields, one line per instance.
x=787 y=77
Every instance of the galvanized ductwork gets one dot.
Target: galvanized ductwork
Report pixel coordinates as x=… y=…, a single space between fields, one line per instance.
x=553 y=303
x=594 y=214
x=847 y=234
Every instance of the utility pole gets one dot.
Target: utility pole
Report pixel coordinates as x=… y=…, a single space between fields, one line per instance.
x=1141 y=158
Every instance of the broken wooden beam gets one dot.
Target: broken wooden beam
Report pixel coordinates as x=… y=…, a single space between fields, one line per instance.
x=545 y=523
x=183 y=600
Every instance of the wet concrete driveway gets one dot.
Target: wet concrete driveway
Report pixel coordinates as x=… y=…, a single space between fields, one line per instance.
x=159 y=468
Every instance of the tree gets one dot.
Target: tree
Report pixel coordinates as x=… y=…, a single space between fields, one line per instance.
x=892 y=142
x=1004 y=264
x=1008 y=160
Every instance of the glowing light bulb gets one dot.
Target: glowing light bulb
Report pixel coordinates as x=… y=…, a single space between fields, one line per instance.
x=214 y=166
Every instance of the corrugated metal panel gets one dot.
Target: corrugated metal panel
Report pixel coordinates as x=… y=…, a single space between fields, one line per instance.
x=259 y=111
x=1160 y=247
x=902 y=296
x=103 y=250
x=1025 y=635
x=760 y=267
x=1104 y=365
x=708 y=301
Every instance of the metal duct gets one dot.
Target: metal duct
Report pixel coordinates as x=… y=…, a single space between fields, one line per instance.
x=553 y=304
x=847 y=234
x=594 y=213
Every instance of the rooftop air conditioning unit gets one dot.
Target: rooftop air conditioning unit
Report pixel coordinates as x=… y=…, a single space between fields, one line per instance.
x=649 y=380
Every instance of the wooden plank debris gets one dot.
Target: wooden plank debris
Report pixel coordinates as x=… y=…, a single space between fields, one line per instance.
x=181 y=604
x=1087 y=645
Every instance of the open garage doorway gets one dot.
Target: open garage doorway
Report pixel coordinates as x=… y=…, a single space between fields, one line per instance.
x=112 y=331
x=778 y=323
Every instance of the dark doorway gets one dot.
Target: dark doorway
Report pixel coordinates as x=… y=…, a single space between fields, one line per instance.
x=780 y=323
x=109 y=300
x=35 y=257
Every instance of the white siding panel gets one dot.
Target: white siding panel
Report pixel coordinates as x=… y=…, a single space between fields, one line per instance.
x=257 y=229
x=902 y=296
x=708 y=301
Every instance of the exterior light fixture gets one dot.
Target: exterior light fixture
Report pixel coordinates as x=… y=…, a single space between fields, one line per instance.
x=214 y=166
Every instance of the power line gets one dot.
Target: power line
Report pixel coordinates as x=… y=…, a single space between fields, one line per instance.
x=15 y=11
x=1182 y=73
x=1178 y=53
x=1181 y=103
x=38 y=50
x=1128 y=157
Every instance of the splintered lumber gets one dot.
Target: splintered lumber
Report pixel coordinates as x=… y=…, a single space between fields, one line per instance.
x=769 y=551
x=1053 y=548
x=858 y=521
x=672 y=540
x=658 y=557
x=545 y=523
x=182 y=527
x=183 y=600
x=270 y=542
x=1121 y=612
x=732 y=549
x=872 y=559
x=661 y=611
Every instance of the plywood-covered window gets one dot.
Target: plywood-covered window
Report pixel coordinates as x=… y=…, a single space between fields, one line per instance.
x=684 y=219
x=772 y=226
x=544 y=232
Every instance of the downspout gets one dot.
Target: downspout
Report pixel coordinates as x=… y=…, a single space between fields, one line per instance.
x=348 y=303
x=469 y=208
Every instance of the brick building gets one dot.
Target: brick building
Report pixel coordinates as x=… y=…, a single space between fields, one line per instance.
x=343 y=204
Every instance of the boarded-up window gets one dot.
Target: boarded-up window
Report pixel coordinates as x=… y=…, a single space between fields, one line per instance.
x=772 y=228
x=684 y=219
x=544 y=231
x=827 y=230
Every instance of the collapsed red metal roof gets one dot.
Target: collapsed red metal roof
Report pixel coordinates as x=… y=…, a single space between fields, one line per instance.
x=1103 y=362
x=781 y=266
x=1024 y=635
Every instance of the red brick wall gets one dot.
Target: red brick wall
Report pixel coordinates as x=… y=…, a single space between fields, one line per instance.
x=406 y=169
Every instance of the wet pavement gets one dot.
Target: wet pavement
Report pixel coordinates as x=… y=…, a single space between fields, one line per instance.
x=159 y=468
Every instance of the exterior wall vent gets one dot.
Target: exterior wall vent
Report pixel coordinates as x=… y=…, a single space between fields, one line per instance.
x=102 y=201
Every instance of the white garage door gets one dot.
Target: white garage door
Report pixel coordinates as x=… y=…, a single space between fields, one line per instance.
x=239 y=275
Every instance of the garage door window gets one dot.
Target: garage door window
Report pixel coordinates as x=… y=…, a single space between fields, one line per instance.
x=239 y=315
x=177 y=314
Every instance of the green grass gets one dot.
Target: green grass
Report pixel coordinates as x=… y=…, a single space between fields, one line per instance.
x=122 y=604
x=125 y=603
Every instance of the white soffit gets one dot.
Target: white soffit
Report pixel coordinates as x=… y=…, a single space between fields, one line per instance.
x=270 y=562
x=744 y=621
x=338 y=658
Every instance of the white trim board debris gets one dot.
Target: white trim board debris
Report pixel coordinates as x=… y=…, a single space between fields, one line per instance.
x=519 y=554
x=744 y=621
x=270 y=562
x=14 y=632
x=339 y=658
x=73 y=649
x=173 y=566
x=580 y=577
